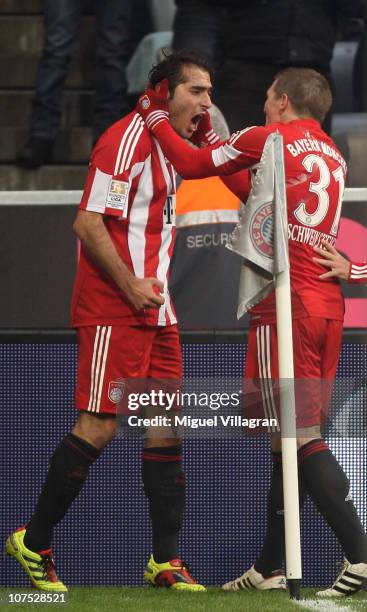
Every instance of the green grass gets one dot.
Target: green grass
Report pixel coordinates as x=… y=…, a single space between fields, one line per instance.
x=130 y=599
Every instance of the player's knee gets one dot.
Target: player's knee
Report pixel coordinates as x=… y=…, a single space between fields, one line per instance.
x=161 y=442
x=306 y=435
x=98 y=430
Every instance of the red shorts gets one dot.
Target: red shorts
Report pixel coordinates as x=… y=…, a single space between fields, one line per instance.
x=316 y=350
x=107 y=354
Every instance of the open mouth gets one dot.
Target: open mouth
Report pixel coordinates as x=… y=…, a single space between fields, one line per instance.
x=195 y=120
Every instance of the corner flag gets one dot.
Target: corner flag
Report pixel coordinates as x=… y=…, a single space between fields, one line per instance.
x=260 y=236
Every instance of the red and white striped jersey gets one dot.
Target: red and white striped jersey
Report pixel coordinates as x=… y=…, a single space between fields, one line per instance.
x=133 y=186
x=358 y=273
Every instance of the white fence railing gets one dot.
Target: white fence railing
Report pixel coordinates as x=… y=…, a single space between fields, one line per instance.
x=65 y=198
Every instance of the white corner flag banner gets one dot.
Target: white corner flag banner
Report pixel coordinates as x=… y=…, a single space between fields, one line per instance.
x=260 y=236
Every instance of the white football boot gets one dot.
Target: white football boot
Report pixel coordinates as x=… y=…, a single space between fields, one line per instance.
x=253 y=580
x=352 y=578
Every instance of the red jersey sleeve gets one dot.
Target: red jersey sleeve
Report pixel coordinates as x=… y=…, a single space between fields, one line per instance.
x=116 y=160
x=358 y=273
x=242 y=150
x=239 y=183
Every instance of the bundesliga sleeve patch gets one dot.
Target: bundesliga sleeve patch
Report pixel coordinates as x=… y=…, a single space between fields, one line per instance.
x=118 y=194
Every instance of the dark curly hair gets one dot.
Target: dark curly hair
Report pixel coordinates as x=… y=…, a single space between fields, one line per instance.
x=170 y=67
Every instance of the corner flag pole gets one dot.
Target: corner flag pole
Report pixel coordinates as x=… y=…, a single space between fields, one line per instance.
x=287 y=395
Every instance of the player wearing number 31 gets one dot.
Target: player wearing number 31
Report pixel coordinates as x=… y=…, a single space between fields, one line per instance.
x=296 y=104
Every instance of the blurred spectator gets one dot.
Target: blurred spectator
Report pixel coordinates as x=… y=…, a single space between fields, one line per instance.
x=62 y=19
x=264 y=37
x=199 y=25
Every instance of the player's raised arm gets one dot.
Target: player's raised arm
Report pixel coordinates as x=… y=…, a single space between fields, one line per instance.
x=238 y=152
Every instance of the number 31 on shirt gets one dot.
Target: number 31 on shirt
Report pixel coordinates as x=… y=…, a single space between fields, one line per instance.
x=320 y=189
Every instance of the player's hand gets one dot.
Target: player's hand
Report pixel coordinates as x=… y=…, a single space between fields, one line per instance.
x=153 y=104
x=204 y=135
x=144 y=292
x=331 y=259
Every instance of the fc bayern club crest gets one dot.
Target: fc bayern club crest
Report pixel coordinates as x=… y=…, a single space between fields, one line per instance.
x=262 y=229
x=145 y=102
x=116 y=390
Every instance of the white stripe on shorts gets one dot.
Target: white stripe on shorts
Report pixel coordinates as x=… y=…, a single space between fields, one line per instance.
x=265 y=375
x=100 y=351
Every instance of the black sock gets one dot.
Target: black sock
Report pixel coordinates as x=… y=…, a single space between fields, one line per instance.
x=328 y=487
x=273 y=551
x=66 y=476
x=164 y=485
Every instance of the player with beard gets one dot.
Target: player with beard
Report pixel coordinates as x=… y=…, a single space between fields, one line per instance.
x=126 y=325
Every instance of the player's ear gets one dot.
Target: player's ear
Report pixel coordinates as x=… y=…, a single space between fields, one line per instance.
x=284 y=104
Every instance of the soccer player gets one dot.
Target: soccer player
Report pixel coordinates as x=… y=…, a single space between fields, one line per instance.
x=296 y=104
x=126 y=326
x=339 y=265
